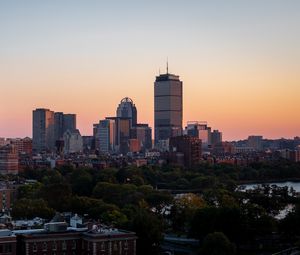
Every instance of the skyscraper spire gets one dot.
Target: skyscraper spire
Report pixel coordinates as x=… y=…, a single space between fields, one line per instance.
x=167 y=66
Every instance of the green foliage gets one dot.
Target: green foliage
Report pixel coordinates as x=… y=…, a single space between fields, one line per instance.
x=57 y=195
x=217 y=244
x=29 y=208
x=82 y=182
x=29 y=190
x=148 y=228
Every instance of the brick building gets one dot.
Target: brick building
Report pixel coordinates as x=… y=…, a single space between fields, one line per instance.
x=185 y=150
x=57 y=238
x=9 y=160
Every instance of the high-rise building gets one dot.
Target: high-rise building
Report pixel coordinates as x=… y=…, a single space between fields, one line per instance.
x=167 y=107
x=143 y=133
x=127 y=109
x=105 y=135
x=216 y=137
x=43 y=130
x=189 y=146
x=69 y=122
x=9 y=160
x=62 y=123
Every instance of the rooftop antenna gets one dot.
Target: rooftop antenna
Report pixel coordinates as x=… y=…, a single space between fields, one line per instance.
x=167 y=66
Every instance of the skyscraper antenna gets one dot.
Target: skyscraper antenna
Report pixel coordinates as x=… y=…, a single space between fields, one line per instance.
x=167 y=66
x=159 y=71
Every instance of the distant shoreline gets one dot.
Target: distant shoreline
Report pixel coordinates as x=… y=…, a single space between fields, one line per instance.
x=242 y=182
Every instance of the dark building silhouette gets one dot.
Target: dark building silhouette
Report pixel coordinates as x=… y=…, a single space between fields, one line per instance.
x=43 y=130
x=167 y=106
x=143 y=133
x=127 y=109
x=185 y=149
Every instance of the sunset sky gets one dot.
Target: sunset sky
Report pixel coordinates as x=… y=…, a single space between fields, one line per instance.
x=239 y=61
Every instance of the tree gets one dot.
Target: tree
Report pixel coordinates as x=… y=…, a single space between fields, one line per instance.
x=183 y=210
x=217 y=244
x=148 y=228
x=57 y=195
x=29 y=208
x=82 y=183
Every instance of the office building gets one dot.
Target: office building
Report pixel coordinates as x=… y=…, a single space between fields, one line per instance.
x=216 y=137
x=62 y=123
x=143 y=133
x=167 y=107
x=72 y=142
x=127 y=109
x=122 y=133
x=105 y=135
x=134 y=145
x=9 y=160
x=200 y=130
x=43 y=130
x=185 y=148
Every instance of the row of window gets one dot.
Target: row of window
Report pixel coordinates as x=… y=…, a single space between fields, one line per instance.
x=54 y=246
x=89 y=246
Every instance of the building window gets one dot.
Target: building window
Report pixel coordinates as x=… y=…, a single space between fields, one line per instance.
x=74 y=245
x=64 y=245
x=126 y=245
x=102 y=247
x=115 y=246
x=54 y=246
x=44 y=246
x=34 y=247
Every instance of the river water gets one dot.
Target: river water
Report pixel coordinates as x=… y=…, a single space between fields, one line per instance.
x=295 y=185
x=288 y=208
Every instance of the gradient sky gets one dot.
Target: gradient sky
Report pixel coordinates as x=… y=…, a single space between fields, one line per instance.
x=239 y=61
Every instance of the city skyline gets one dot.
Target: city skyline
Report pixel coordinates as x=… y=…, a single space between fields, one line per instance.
x=239 y=62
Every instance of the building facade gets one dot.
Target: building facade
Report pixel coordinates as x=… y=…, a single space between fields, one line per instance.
x=58 y=239
x=216 y=137
x=62 y=123
x=187 y=149
x=143 y=133
x=9 y=160
x=72 y=142
x=43 y=130
x=200 y=130
x=105 y=135
x=168 y=109
x=127 y=109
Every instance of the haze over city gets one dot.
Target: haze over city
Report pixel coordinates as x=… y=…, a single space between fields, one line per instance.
x=239 y=63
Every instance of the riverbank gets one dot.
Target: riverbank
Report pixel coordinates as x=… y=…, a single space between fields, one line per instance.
x=264 y=181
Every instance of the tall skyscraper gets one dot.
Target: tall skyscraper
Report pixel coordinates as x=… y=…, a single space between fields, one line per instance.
x=62 y=123
x=167 y=106
x=127 y=109
x=69 y=122
x=216 y=137
x=105 y=135
x=43 y=130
